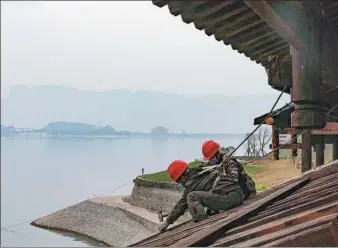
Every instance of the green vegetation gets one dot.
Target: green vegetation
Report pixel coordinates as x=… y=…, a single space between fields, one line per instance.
x=260 y=187
x=162 y=176
x=252 y=170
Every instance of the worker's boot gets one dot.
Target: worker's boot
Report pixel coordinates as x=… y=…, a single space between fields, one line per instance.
x=198 y=218
x=211 y=212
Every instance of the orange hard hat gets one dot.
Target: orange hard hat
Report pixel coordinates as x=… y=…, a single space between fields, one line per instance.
x=176 y=169
x=209 y=149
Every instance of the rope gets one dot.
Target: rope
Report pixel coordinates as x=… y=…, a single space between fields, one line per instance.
x=269 y=115
x=30 y=221
x=232 y=152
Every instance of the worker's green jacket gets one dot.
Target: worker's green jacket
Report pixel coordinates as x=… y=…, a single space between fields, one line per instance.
x=204 y=182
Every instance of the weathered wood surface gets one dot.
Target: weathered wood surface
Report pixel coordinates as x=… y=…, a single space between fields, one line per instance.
x=277 y=225
x=205 y=237
x=320 y=151
x=260 y=241
x=331 y=128
x=321 y=236
x=306 y=151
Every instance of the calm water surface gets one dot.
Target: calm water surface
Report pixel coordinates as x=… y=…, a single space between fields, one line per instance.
x=41 y=175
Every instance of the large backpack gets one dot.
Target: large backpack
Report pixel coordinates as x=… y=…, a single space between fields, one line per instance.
x=246 y=183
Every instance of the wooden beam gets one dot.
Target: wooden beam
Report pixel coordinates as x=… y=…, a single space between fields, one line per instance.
x=331 y=128
x=320 y=151
x=260 y=241
x=290 y=20
x=206 y=236
x=277 y=225
x=306 y=151
x=268 y=14
x=291 y=147
x=321 y=236
x=258 y=221
x=313 y=132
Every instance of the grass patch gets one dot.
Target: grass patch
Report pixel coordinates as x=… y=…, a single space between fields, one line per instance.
x=260 y=187
x=252 y=170
x=163 y=176
x=158 y=176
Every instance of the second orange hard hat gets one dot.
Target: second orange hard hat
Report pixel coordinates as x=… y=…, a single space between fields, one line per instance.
x=209 y=149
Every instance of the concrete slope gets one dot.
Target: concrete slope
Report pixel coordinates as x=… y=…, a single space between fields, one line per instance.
x=107 y=224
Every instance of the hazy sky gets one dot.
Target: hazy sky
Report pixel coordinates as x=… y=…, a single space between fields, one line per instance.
x=118 y=45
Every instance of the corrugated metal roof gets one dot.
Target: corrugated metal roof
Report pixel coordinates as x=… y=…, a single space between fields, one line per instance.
x=232 y=22
x=311 y=203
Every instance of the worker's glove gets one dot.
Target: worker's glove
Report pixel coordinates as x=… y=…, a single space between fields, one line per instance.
x=163 y=226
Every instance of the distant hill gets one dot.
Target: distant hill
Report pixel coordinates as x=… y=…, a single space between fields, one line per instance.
x=7 y=131
x=137 y=111
x=77 y=129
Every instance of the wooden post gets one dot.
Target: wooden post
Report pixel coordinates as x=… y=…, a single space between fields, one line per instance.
x=294 y=141
x=320 y=151
x=306 y=151
x=275 y=143
x=306 y=86
x=335 y=149
x=307 y=77
x=306 y=95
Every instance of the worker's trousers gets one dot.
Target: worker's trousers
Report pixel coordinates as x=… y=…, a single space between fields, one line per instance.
x=198 y=200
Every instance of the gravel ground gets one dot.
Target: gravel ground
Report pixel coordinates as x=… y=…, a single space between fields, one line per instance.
x=105 y=224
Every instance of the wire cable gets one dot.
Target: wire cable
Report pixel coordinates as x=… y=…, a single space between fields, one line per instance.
x=29 y=221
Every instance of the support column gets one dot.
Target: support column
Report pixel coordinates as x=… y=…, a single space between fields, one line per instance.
x=294 y=141
x=307 y=78
x=335 y=149
x=306 y=94
x=306 y=151
x=320 y=151
x=306 y=86
x=275 y=143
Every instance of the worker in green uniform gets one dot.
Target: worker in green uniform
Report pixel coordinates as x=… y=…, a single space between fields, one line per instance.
x=205 y=188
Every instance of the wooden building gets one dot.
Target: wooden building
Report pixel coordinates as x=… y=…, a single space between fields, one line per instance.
x=280 y=121
x=296 y=42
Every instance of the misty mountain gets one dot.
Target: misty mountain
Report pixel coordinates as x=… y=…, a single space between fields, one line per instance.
x=138 y=111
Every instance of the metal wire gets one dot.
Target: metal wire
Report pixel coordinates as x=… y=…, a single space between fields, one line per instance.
x=269 y=115
x=29 y=221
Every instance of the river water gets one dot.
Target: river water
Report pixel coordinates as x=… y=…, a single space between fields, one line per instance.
x=40 y=175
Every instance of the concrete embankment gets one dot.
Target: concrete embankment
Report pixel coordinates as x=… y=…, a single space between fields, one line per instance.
x=117 y=220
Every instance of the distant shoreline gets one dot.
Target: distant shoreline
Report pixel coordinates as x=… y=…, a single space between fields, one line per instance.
x=122 y=136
